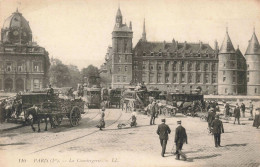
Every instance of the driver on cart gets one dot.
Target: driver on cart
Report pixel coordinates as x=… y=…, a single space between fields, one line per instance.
x=50 y=92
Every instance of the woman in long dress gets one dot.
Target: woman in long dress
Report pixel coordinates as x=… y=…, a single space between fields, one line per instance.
x=102 y=120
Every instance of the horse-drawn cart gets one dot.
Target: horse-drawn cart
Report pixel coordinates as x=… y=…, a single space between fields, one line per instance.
x=41 y=105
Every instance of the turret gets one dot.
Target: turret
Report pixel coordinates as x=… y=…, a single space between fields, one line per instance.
x=144 y=33
x=252 y=56
x=119 y=18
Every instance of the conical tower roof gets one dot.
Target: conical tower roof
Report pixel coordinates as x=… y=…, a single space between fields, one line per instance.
x=227 y=46
x=253 y=46
x=118 y=14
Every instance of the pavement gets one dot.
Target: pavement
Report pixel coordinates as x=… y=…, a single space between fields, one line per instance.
x=6 y=126
x=85 y=145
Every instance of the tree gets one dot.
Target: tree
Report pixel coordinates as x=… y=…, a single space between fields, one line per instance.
x=60 y=75
x=89 y=72
x=75 y=76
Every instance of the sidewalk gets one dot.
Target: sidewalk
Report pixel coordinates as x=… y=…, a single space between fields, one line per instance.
x=5 y=126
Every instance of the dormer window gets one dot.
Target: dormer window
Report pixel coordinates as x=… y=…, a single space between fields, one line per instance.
x=9 y=66
x=144 y=54
x=207 y=55
x=160 y=54
x=152 y=54
x=198 y=54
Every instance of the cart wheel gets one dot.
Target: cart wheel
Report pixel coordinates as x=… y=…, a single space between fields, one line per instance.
x=75 y=116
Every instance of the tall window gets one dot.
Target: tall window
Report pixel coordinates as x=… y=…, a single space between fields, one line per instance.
x=119 y=69
x=125 y=68
x=118 y=79
x=20 y=66
x=255 y=90
x=159 y=67
x=224 y=79
x=167 y=65
x=190 y=78
x=125 y=58
x=36 y=66
x=214 y=78
x=36 y=84
x=198 y=78
x=174 y=78
x=174 y=66
x=198 y=66
x=9 y=66
x=119 y=59
x=124 y=78
x=189 y=66
x=182 y=65
x=182 y=78
x=151 y=75
x=167 y=78
x=234 y=79
x=206 y=67
x=144 y=77
x=213 y=67
x=151 y=67
x=207 y=78
x=159 y=77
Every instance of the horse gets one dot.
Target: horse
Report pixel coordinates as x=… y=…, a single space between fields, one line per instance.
x=32 y=116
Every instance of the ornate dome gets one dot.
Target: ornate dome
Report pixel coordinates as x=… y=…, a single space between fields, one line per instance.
x=16 y=29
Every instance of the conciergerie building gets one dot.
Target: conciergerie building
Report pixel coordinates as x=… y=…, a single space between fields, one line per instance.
x=23 y=64
x=181 y=66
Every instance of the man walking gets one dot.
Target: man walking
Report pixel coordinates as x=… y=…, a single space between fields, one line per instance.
x=163 y=131
x=153 y=113
x=180 y=138
x=251 y=107
x=243 y=108
x=217 y=129
x=237 y=114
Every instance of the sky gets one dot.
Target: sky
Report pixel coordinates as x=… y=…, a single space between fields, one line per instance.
x=79 y=31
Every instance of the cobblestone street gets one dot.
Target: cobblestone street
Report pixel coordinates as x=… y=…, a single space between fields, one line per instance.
x=138 y=146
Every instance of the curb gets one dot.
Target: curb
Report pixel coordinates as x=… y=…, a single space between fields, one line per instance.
x=12 y=128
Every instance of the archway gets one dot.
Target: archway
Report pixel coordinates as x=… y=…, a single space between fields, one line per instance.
x=9 y=84
x=19 y=85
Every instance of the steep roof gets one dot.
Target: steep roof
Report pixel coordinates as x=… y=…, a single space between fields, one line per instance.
x=172 y=47
x=253 y=46
x=123 y=28
x=227 y=46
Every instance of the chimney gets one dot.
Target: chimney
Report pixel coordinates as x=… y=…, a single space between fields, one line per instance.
x=164 y=44
x=176 y=45
x=185 y=45
x=130 y=25
x=200 y=45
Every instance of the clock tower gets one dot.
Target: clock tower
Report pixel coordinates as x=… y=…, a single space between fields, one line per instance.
x=121 y=53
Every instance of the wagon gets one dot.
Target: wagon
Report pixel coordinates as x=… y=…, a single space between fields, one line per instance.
x=56 y=107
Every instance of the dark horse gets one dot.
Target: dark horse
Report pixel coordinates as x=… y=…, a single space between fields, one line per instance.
x=32 y=116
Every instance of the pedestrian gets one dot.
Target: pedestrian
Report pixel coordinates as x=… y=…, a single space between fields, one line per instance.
x=2 y=111
x=217 y=129
x=243 y=108
x=102 y=120
x=163 y=131
x=133 y=117
x=227 y=108
x=251 y=107
x=153 y=113
x=180 y=139
x=256 y=122
x=237 y=114
x=210 y=118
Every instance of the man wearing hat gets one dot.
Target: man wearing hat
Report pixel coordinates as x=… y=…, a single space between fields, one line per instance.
x=210 y=118
x=163 y=131
x=180 y=138
x=237 y=114
x=217 y=129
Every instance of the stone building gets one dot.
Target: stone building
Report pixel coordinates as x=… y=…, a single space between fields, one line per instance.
x=181 y=66
x=23 y=64
x=231 y=69
x=175 y=66
x=253 y=66
x=119 y=57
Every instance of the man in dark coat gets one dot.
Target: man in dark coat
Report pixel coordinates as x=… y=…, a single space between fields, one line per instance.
x=243 y=108
x=180 y=138
x=217 y=129
x=237 y=114
x=210 y=118
x=163 y=131
x=153 y=113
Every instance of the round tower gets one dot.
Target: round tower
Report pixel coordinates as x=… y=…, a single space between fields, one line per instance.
x=227 y=68
x=253 y=66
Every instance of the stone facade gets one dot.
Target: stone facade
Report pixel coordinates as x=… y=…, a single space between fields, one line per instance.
x=183 y=67
x=253 y=66
x=23 y=64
